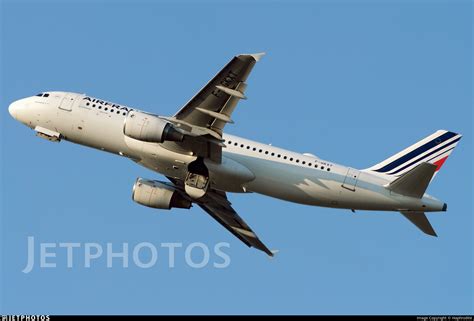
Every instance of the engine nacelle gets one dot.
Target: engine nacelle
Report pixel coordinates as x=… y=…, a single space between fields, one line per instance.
x=149 y=128
x=157 y=194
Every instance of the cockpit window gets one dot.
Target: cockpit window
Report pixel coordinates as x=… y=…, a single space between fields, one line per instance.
x=39 y=95
x=46 y=95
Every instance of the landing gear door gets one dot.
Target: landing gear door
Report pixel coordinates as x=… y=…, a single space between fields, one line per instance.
x=350 y=181
x=67 y=102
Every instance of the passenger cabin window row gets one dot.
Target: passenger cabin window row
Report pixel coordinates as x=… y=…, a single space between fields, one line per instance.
x=111 y=109
x=291 y=159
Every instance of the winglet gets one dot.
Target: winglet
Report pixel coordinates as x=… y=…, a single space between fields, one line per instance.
x=256 y=56
x=273 y=253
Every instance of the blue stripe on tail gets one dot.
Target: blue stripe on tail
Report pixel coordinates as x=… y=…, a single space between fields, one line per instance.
x=414 y=153
x=426 y=156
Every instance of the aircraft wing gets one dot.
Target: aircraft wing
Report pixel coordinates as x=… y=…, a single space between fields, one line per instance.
x=216 y=204
x=205 y=115
x=222 y=212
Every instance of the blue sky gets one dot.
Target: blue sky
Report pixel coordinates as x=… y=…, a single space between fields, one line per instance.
x=352 y=82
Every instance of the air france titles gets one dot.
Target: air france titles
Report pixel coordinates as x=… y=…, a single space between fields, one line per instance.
x=106 y=103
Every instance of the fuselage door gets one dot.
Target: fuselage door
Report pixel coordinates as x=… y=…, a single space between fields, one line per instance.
x=350 y=181
x=67 y=102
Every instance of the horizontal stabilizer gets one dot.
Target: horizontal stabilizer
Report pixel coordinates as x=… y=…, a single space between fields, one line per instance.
x=415 y=182
x=421 y=221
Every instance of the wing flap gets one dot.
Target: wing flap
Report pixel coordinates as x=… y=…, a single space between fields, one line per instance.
x=228 y=218
x=207 y=113
x=220 y=95
x=225 y=225
x=216 y=204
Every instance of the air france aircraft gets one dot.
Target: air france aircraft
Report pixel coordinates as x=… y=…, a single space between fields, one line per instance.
x=202 y=164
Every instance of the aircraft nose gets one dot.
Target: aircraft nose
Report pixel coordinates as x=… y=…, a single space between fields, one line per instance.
x=19 y=109
x=13 y=109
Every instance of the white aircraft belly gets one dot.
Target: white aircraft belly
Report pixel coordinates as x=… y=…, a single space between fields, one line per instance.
x=293 y=183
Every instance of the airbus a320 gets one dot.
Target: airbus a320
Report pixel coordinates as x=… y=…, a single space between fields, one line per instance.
x=203 y=164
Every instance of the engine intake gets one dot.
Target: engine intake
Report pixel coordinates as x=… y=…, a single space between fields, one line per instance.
x=149 y=128
x=157 y=194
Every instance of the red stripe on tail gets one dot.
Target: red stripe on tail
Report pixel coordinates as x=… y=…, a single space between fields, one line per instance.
x=439 y=163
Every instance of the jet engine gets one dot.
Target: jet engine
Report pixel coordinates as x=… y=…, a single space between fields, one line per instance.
x=157 y=194
x=149 y=128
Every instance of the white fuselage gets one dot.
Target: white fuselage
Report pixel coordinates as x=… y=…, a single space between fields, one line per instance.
x=247 y=166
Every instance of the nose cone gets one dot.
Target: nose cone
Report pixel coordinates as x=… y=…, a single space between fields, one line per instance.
x=13 y=109
x=21 y=111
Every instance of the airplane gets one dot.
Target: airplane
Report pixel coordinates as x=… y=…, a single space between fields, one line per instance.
x=203 y=164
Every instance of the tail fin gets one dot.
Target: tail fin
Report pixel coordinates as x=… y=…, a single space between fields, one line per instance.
x=433 y=149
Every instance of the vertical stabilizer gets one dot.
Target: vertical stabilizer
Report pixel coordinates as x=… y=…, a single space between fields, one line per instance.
x=433 y=149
